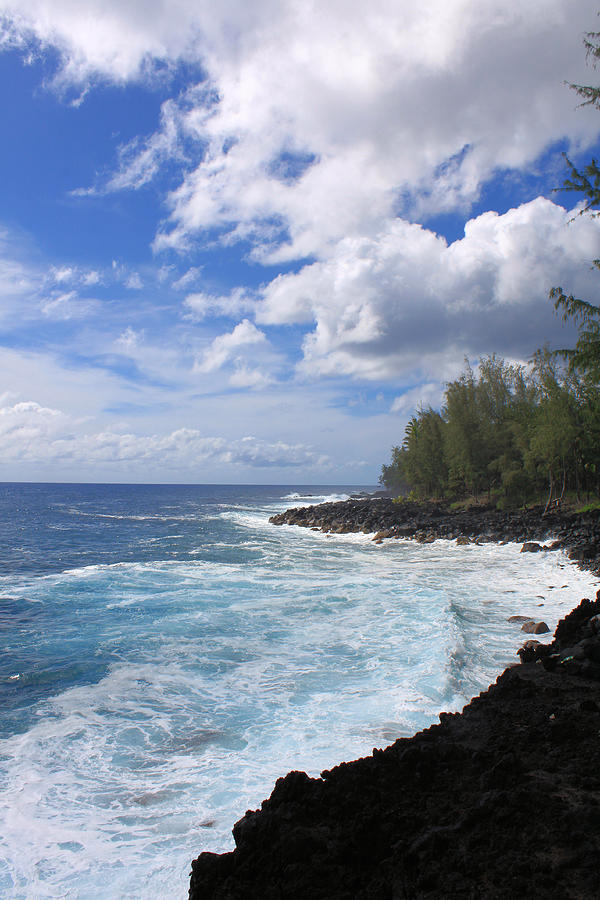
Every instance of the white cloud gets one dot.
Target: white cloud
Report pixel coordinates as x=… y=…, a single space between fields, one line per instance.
x=139 y=161
x=67 y=305
x=91 y=278
x=134 y=282
x=315 y=122
x=317 y=132
x=245 y=377
x=402 y=300
x=189 y=278
x=203 y=305
x=114 y=41
x=70 y=274
x=130 y=339
x=226 y=346
x=424 y=395
x=27 y=427
x=30 y=432
x=18 y=281
x=63 y=273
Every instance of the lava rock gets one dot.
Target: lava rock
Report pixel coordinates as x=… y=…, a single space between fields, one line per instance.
x=498 y=801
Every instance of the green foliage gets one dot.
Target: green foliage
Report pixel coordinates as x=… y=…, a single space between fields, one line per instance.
x=422 y=452
x=585 y=355
x=593 y=506
x=505 y=436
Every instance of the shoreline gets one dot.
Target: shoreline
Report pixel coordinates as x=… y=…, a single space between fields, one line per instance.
x=498 y=800
x=578 y=534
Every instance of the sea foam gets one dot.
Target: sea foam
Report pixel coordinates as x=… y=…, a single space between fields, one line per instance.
x=158 y=699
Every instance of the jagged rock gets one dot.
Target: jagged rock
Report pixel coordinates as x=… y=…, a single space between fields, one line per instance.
x=577 y=534
x=498 y=801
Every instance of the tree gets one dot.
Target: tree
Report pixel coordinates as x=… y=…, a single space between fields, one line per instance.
x=585 y=356
x=393 y=476
x=423 y=457
x=464 y=438
x=553 y=442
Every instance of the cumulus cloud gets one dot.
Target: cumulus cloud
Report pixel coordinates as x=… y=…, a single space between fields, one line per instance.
x=31 y=432
x=110 y=40
x=226 y=346
x=318 y=134
x=314 y=122
x=26 y=428
x=404 y=299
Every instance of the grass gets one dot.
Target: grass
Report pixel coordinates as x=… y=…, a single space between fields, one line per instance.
x=592 y=506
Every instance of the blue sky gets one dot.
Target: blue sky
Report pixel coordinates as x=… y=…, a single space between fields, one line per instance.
x=243 y=244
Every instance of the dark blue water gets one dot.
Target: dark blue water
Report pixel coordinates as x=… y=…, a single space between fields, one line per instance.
x=48 y=528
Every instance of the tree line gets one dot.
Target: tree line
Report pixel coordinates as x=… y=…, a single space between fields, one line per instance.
x=514 y=434
x=506 y=434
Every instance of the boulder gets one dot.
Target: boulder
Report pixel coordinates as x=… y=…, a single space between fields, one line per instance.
x=532 y=627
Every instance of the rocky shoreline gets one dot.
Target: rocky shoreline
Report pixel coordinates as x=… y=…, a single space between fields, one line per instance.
x=578 y=534
x=499 y=801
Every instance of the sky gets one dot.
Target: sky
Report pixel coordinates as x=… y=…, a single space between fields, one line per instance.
x=243 y=242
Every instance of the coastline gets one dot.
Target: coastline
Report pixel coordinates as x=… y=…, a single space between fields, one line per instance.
x=578 y=534
x=427 y=816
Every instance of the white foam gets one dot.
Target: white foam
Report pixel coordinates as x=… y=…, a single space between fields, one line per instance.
x=224 y=675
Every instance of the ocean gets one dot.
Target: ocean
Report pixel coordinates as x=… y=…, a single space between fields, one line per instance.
x=167 y=654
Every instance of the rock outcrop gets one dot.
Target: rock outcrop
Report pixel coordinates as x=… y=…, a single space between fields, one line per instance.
x=577 y=533
x=499 y=801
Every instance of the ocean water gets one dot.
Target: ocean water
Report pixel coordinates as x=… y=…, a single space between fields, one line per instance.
x=167 y=654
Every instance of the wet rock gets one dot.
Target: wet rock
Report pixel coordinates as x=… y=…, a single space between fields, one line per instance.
x=519 y=619
x=533 y=627
x=387 y=533
x=577 y=534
